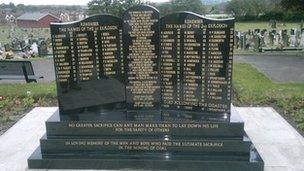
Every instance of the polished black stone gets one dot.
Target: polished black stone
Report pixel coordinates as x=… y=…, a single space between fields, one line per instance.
x=119 y=124
x=149 y=69
x=89 y=65
x=199 y=52
x=141 y=53
x=148 y=162
x=143 y=144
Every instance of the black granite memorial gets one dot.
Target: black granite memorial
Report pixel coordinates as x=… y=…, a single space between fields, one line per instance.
x=145 y=92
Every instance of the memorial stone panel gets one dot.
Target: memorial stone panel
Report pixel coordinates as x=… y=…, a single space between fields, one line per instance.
x=88 y=64
x=141 y=52
x=196 y=65
x=145 y=93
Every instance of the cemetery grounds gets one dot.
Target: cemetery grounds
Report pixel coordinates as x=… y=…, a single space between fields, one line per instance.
x=251 y=88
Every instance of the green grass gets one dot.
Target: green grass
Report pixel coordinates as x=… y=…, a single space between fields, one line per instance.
x=245 y=26
x=254 y=88
x=32 y=89
x=15 y=99
x=4 y=33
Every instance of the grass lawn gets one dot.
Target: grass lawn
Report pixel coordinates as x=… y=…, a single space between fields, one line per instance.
x=245 y=26
x=17 y=99
x=32 y=89
x=255 y=89
x=251 y=87
x=4 y=33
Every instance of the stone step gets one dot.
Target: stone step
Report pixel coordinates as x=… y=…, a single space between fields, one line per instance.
x=139 y=144
x=160 y=162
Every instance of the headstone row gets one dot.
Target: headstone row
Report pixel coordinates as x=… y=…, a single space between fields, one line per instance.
x=258 y=39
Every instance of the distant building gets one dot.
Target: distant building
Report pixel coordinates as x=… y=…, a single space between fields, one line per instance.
x=36 y=20
x=72 y=16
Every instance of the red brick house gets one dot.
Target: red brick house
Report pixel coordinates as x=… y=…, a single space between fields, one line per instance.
x=36 y=20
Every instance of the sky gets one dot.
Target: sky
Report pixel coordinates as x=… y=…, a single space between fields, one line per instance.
x=56 y=2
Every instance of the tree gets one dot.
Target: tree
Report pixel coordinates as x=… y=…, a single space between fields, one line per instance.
x=293 y=5
x=114 y=7
x=257 y=7
x=237 y=8
x=181 y=5
x=247 y=7
x=186 y=5
x=164 y=8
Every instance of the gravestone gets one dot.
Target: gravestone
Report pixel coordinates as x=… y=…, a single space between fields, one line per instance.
x=242 y=41
x=7 y=47
x=15 y=45
x=257 y=41
x=272 y=37
x=293 y=38
x=34 y=49
x=285 y=38
x=302 y=39
x=145 y=93
x=298 y=37
x=278 y=39
x=246 y=43
x=237 y=37
x=22 y=44
x=263 y=37
x=42 y=48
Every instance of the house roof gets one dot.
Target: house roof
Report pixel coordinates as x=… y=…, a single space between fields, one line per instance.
x=36 y=16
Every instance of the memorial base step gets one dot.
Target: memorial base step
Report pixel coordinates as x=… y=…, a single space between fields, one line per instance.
x=147 y=162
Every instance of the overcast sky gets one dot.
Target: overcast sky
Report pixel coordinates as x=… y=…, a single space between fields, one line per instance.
x=56 y=2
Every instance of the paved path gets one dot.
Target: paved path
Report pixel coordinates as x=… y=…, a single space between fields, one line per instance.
x=278 y=143
x=44 y=68
x=282 y=69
